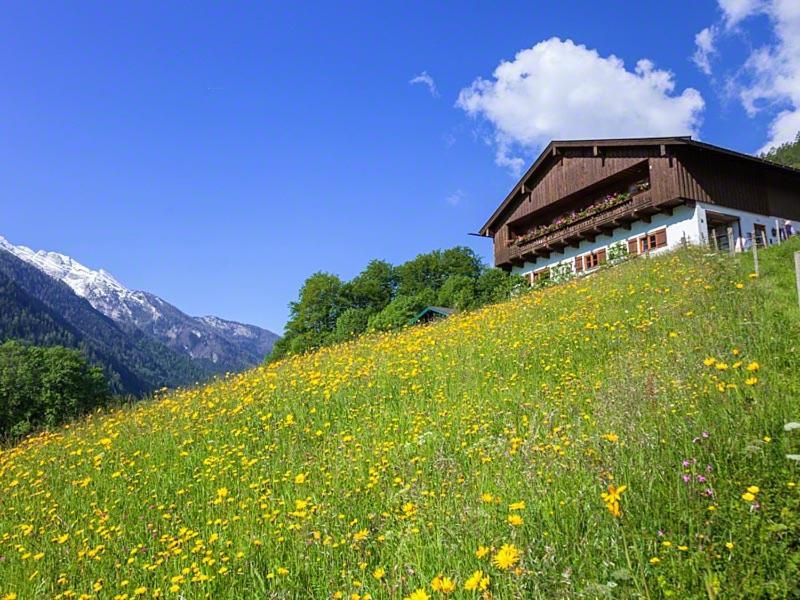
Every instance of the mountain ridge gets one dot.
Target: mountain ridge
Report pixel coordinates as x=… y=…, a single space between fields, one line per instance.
x=216 y=344
x=42 y=310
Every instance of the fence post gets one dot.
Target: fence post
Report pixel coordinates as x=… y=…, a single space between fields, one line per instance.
x=797 y=273
x=731 y=248
x=755 y=253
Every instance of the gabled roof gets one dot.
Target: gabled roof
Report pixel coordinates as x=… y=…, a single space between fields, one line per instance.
x=439 y=310
x=553 y=147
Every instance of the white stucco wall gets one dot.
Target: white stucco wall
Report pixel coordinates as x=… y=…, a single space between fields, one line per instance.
x=747 y=221
x=683 y=223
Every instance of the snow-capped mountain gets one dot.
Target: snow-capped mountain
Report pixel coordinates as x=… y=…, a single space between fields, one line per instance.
x=219 y=344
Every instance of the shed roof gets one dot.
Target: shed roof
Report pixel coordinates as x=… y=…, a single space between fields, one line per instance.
x=439 y=310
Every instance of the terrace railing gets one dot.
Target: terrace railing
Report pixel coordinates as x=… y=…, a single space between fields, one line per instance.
x=589 y=226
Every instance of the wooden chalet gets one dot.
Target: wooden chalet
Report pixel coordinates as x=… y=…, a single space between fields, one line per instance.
x=582 y=200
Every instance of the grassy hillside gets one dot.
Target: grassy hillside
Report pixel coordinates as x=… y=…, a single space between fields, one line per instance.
x=469 y=454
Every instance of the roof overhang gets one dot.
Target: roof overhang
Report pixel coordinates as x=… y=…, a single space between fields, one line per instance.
x=552 y=150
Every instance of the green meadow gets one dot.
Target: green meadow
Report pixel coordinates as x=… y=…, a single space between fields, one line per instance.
x=620 y=435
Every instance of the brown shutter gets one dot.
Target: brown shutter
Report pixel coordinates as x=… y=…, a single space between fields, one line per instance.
x=633 y=246
x=661 y=238
x=578 y=264
x=601 y=256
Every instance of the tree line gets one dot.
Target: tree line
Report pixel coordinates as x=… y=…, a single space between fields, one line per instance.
x=46 y=386
x=786 y=154
x=383 y=297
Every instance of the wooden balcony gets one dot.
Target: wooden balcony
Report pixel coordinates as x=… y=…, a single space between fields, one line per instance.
x=640 y=207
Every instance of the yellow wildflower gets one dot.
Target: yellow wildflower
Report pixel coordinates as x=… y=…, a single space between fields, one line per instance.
x=506 y=557
x=515 y=520
x=477 y=581
x=442 y=584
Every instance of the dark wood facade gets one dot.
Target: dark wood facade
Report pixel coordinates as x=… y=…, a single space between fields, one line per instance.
x=609 y=184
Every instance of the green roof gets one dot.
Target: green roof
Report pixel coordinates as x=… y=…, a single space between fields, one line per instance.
x=438 y=310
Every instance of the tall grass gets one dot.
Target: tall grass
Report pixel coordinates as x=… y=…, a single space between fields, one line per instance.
x=401 y=465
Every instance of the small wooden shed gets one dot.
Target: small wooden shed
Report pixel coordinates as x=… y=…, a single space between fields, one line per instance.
x=431 y=313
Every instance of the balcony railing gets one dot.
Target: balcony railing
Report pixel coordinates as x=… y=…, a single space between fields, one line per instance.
x=619 y=215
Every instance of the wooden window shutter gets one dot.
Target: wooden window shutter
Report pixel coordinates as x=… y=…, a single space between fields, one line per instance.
x=633 y=246
x=578 y=264
x=661 y=238
x=601 y=256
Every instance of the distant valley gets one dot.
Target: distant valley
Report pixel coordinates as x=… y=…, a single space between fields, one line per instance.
x=142 y=341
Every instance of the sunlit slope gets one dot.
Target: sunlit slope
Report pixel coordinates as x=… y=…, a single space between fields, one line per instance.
x=406 y=463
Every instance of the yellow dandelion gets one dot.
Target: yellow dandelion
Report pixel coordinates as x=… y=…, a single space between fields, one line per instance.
x=515 y=520
x=506 y=557
x=442 y=584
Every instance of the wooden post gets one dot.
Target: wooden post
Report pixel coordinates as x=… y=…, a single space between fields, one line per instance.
x=716 y=242
x=731 y=248
x=797 y=273
x=755 y=253
x=778 y=230
x=764 y=238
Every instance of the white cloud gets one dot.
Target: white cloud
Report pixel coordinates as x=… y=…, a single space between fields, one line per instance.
x=769 y=80
x=737 y=10
x=704 y=48
x=455 y=198
x=426 y=80
x=558 y=90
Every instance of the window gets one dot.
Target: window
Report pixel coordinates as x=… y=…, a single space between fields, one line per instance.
x=590 y=261
x=761 y=234
x=540 y=275
x=648 y=242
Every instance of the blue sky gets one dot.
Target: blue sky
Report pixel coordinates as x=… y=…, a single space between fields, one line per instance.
x=217 y=153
